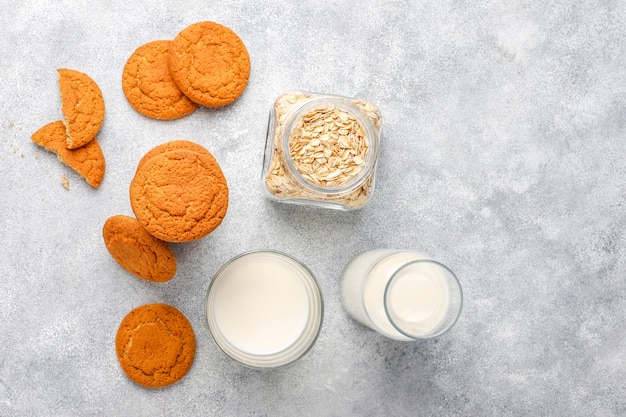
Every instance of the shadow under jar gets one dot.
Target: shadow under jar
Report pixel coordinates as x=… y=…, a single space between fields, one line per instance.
x=321 y=150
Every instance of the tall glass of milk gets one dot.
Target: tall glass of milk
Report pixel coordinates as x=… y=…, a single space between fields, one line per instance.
x=264 y=309
x=404 y=295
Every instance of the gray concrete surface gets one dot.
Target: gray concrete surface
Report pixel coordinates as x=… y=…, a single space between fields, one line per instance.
x=503 y=157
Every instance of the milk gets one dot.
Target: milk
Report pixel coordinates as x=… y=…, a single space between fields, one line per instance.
x=264 y=309
x=260 y=308
x=421 y=300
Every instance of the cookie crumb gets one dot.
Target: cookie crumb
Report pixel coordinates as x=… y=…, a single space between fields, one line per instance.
x=65 y=182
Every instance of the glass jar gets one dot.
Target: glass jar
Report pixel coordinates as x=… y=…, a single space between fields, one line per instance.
x=404 y=295
x=321 y=150
x=264 y=309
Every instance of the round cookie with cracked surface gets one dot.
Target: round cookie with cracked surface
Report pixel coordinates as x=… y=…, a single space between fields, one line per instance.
x=82 y=105
x=88 y=160
x=155 y=345
x=149 y=87
x=179 y=195
x=209 y=63
x=137 y=251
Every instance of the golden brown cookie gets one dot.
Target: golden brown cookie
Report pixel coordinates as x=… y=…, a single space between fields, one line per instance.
x=82 y=105
x=88 y=160
x=209 y=63
x=155 y=345
x=137 y=251
x=149 y=87
x=179 y=195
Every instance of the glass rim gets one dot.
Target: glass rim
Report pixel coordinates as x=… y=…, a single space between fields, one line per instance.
x=455 y=280
x=342 y=103
x=301 y=346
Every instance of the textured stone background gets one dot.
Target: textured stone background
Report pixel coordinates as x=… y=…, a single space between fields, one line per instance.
x=503 y=157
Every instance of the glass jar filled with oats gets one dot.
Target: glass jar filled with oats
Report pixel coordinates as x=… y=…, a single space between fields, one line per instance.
x=321 y=150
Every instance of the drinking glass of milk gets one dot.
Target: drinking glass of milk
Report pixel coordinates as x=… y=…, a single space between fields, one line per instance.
x=404 y=295
x=264 y=309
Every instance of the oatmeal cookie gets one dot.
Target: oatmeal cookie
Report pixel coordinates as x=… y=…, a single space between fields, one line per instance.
x=137 y=251
x=82 y=105
x=149 y=87
x=209 y=63
x=179 y=195
x=155 y=345
x=88 y=160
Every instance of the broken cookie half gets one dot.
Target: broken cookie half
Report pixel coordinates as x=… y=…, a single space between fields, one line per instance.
x=87 y=160
x=82 y=105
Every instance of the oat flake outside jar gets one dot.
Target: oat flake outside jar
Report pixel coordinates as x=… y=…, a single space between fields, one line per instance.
x=321 y=150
